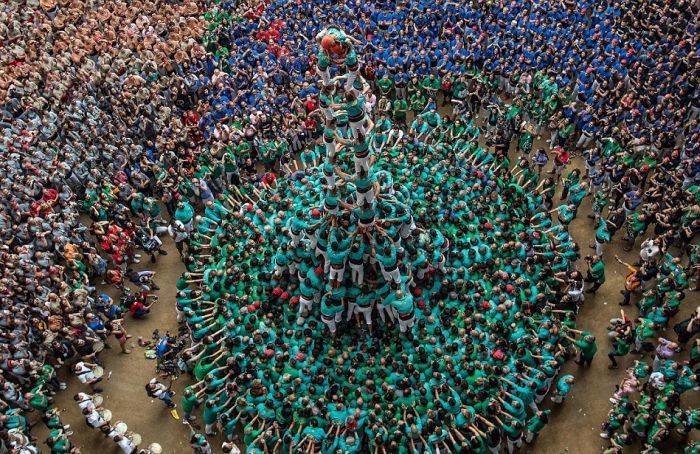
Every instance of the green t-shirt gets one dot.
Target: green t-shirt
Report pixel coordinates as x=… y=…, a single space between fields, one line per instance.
x=189 y=402
x=400 y=108
x=588 y=349
x=536 y=424
x=598 y=271
x=385 y=85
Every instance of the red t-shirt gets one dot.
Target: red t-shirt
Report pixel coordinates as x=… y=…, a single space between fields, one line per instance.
x=310 y=105
x=269 y=178
x=310 y=123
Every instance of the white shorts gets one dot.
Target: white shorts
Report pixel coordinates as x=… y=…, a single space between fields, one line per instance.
x=406 y=229
x=361 y=164
x=331 y=149
x=393 y=275
x=366 y=313
x=330 y=180
x=405 y=325
x=336 y=274
x=366 y=197
x=332 y=322
x=304 y=304
x=358 y=127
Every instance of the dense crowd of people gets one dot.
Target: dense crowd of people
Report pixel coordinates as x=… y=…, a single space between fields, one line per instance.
x=76 y=107
x=394 y=279
x=646 y=406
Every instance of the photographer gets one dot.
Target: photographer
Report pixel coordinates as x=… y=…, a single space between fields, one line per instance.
x=140 y=307
x=180 y=234
x=158 y=390
x=595 y=273
x=688 y=328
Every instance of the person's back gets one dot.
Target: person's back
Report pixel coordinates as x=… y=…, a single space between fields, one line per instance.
x=163 y=346
x=387 y=259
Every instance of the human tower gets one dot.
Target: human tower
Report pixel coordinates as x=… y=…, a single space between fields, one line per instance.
x=360 y=229
x=380 y=297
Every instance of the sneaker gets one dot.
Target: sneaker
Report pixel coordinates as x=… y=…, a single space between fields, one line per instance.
x=138 y=256
x=136 y=261
x=62 y=385
x=613 y=400
x=97 y=390
x=604 y=436
x=162 y=252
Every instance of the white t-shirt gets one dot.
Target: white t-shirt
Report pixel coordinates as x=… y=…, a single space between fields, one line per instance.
x=160 y=389
x=84 y=373
x=86 y=403
x=126 y=445
x=95 y=419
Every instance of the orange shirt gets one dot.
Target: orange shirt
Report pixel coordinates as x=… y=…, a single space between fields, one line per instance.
x=632 y=281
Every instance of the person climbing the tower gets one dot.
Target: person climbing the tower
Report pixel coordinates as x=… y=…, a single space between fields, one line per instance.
x=337 y=47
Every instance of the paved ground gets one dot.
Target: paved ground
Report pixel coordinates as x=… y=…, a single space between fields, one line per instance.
x=574 y=427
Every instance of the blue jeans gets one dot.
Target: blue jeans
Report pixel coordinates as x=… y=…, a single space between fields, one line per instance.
x=167 y=397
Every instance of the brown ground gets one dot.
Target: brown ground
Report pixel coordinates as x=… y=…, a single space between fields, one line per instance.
x=573 y=427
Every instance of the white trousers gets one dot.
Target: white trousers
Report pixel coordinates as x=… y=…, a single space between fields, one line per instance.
x=336 y=274
x=405 y=325
x=365 y=197
x=382 y=309
x=357 y=273
x=304 y=305
x=394 y=275
x=332 y=323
